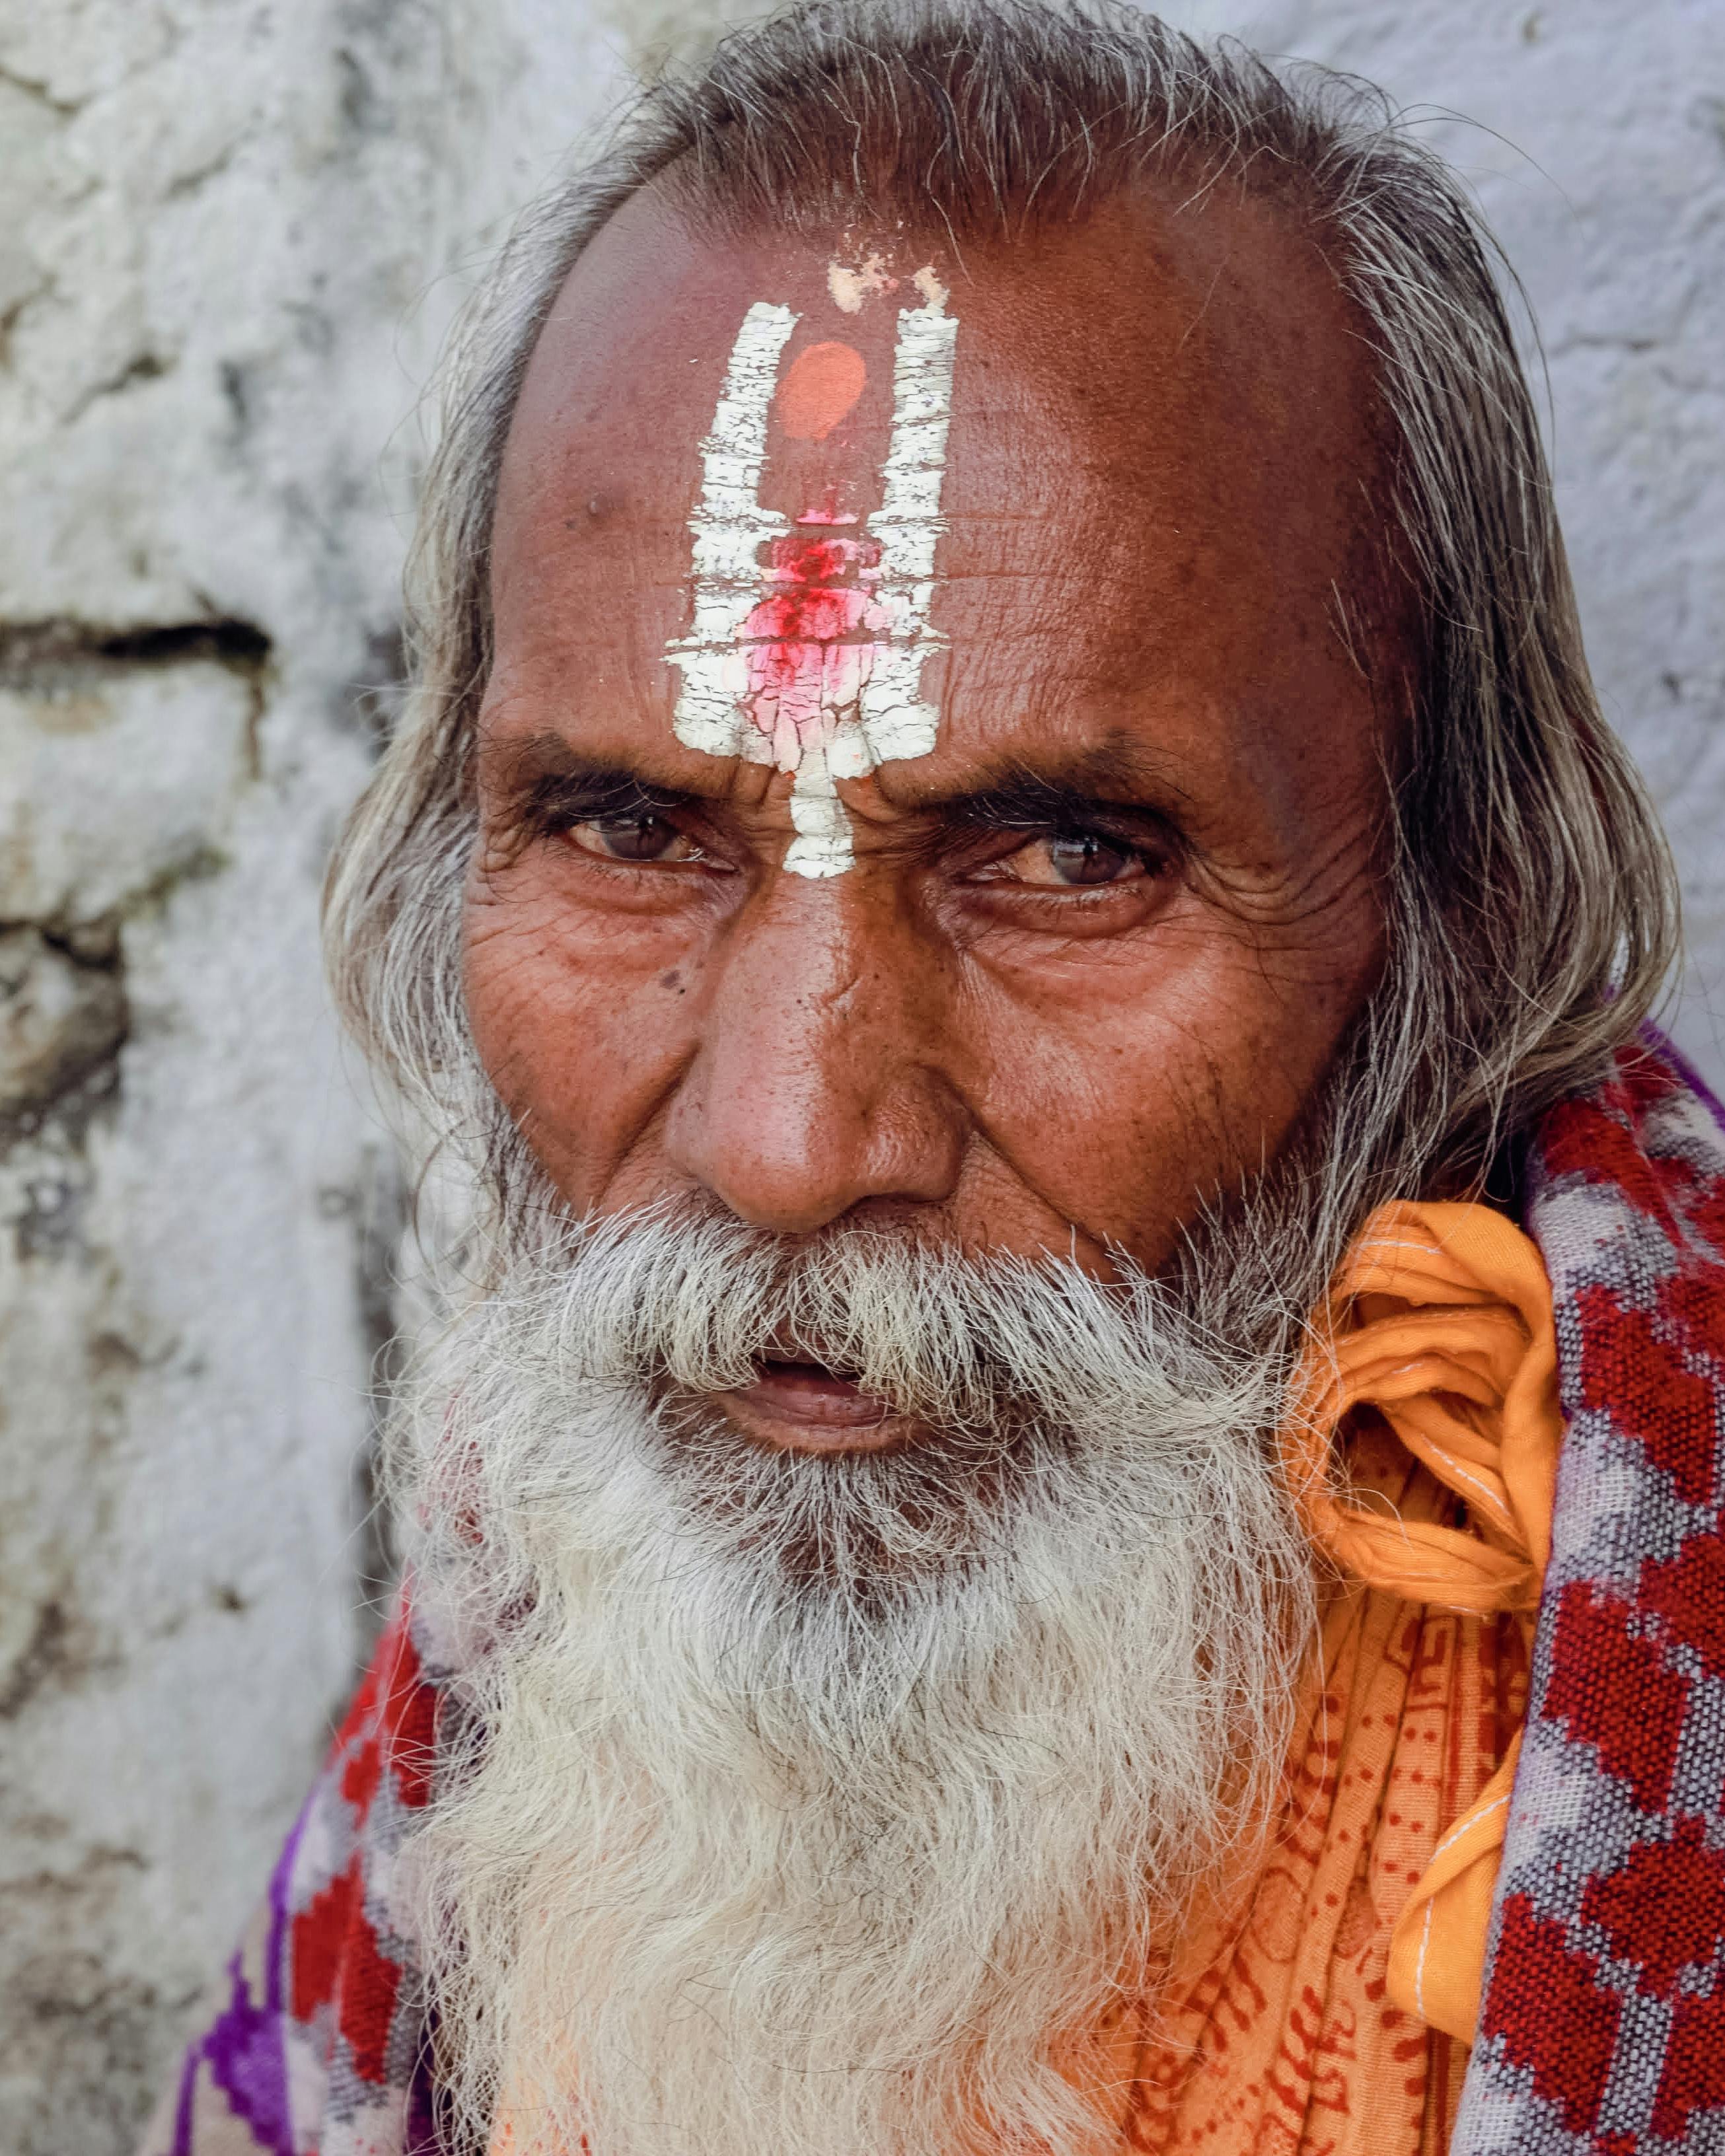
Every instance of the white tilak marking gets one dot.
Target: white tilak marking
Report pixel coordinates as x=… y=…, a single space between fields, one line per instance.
x=871 y=708
x=849 y=288
x=729 y=525
x=895 y=721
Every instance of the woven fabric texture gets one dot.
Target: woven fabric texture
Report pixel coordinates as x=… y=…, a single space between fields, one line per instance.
x=1603 y=2032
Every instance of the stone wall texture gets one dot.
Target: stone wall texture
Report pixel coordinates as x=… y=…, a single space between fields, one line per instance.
x=231 y=233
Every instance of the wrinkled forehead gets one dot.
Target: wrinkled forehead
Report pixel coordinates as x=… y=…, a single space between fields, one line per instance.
x=1166 y=405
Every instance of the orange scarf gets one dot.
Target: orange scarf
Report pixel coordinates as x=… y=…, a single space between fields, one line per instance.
x=1331 y=2014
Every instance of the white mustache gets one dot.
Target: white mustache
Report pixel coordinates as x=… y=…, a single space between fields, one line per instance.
x=692 y=1298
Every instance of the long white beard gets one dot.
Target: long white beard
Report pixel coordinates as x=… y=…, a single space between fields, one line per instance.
x=813 y=1807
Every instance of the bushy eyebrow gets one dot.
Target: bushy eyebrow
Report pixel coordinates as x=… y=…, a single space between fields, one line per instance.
x=1031 y=802
x=1113 y=786
x=1117 y=773
x=544 y=777
x=601 y=791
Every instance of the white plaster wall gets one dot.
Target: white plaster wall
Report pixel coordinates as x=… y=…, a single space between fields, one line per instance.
x=225 y=231
x=1597 y=147
x=230 y=231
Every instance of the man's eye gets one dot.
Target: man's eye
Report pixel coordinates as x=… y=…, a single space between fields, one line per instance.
x=640 y=837
x=1075 y=858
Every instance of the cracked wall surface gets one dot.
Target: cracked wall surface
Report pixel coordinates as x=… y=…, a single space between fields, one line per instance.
x=230 y=234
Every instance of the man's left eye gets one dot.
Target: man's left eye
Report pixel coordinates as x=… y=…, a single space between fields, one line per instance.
x=639 y=839
x=1072 y=860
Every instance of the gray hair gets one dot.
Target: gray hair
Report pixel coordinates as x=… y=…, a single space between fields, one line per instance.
x=1531 y=900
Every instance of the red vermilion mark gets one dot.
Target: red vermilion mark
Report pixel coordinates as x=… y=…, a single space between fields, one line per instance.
x=807 y=640
x=820 y=386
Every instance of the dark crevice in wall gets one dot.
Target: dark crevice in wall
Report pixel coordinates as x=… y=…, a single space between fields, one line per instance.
x=34 y=86
x=64 y=1019
x=229 y=643
x=52 y=658
x=40 y=654
x=49 y=1223
x=47 y=1655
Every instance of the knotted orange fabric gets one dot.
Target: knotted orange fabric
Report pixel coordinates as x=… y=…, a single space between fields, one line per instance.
x=1331 y=2014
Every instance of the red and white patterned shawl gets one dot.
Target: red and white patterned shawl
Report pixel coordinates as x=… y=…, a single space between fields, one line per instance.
x=1603 y=2027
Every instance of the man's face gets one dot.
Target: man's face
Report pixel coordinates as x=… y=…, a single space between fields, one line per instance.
x=1079 y=961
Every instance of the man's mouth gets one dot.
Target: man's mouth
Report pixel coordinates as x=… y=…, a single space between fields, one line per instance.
x=800 y=1406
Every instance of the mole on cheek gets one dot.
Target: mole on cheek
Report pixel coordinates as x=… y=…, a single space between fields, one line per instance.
x=820 y=386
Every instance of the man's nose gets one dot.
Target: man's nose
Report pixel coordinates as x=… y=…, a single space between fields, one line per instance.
x=818 y=1081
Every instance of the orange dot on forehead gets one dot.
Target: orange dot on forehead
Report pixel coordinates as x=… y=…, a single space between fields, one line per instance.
x=820 y=386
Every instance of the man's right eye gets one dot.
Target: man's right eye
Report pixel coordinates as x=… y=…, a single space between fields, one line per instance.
x=640 y=840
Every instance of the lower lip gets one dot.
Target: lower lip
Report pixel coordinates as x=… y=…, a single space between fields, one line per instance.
x=798 y=1408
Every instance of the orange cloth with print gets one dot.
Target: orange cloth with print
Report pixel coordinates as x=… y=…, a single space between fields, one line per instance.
x=1332 y=2011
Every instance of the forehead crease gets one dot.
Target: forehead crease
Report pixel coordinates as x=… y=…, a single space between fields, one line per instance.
x=1128 y=450
x=1169 y=431
x=1216 y=299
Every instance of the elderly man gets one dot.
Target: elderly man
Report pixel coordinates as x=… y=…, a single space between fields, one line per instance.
x=1005 y=871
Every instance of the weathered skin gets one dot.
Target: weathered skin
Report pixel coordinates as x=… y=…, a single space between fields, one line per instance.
x=1160 y=464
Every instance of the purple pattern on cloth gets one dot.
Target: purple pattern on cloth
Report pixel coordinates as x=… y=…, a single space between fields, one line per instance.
x=243 y=2046
x=319 y=2044
x=1668 y=1051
